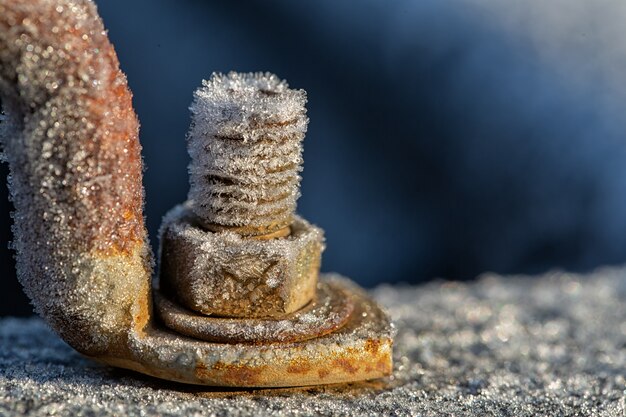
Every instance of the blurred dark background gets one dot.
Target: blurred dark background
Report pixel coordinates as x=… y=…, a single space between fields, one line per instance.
x=447 y=138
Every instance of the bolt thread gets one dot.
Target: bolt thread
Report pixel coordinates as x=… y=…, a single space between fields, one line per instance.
x=245 y=144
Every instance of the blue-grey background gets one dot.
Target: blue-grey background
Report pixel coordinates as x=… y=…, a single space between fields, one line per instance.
x=447 y=137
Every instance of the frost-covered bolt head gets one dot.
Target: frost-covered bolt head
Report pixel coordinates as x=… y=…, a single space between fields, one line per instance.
x=245 y=144
x=227 y=275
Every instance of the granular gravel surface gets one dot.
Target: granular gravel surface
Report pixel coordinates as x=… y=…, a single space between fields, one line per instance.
x=552 y=345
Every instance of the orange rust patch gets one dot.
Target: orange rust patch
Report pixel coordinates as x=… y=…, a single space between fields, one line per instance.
x=127 y=214
x=238 y=375
x=323 y=373
x=117 y=250
x=298 y=367
x=346 y=364
x=142 y=317
x=372 y=346
x=144 y=311
x=201 y=371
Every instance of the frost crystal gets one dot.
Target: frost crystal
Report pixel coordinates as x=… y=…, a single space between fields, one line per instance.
x=245 y=144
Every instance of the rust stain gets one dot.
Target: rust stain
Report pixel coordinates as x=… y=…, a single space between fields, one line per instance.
x=352 y=352
x=323 y=373
x=298 y=367
x=143 y=313
x=142 y=316
x=201 y=371
x=346 y=364
x=372 y=346
x=233 y=374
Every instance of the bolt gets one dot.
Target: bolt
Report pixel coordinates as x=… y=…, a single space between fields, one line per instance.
x=237 y=248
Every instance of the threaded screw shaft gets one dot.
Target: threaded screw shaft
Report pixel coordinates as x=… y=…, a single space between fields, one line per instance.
x=245 y=144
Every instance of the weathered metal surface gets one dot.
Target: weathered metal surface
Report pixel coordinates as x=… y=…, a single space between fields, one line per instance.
x=330 y=309
x=360 y=350
x=228 y=275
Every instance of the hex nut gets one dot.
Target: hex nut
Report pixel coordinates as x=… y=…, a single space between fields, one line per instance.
x=225 y=274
